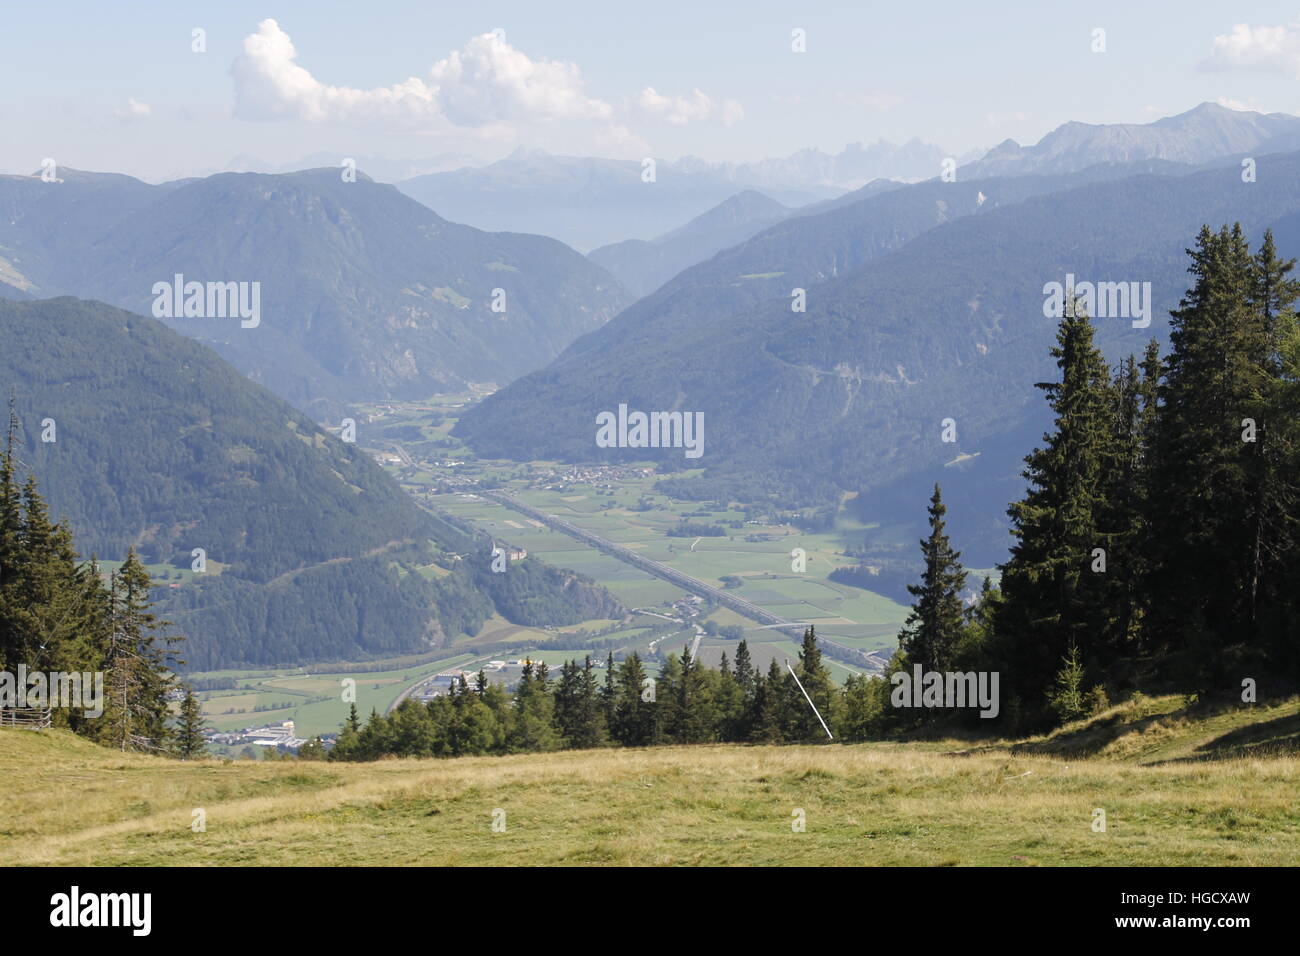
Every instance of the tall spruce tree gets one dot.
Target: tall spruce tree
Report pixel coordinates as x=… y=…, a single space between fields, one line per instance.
x=1053 y=585
x=933 y=629
x=138 y=667
x=634 y=720
x=1223 y=487
x=816 y=679
x=1273 y=597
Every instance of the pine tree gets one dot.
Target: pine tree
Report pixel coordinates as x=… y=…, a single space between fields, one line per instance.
x=137 y=675
x=1220 y=492
x=1067 y=698
x=635 y=719
x=744 y=670
x=593 y=731
x=771 y=717
x=816 y=679
x=189 y=742
x=14 y=641
x=934 y=627
x=1274 y=477
x=695 y=715
x=609 y=693
x=566 y=703
x=730 y=702
x=1121 y=513
x=1053 y=597
x=534 y=728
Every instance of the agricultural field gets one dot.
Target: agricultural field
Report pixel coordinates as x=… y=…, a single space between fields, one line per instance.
x=312 y=700
x=619 y=503
x=756 y=558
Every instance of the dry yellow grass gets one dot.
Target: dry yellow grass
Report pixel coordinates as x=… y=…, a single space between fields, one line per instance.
x=68 y=802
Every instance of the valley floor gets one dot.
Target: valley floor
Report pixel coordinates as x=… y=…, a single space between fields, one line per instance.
x=66 y=801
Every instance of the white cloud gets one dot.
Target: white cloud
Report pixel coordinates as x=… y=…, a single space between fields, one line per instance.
x=694 y=107
x=491 y=81
x=1268 y=49
x=1248 y=105
x=487 y=82
x=134 y=110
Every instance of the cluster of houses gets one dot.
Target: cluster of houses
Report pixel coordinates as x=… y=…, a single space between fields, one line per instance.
x=497 y=672
x=688 y=607
x=602 y=476
x=272 y=735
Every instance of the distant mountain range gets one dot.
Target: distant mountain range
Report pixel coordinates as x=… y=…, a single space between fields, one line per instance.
x=923 y=303
x=312 y=551
x=589 y=203
x=1207 y=133
x=379 y=168
x=364 y=293
x=583 y=201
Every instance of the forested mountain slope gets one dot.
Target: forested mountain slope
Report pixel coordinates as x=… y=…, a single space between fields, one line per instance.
x=312 y=551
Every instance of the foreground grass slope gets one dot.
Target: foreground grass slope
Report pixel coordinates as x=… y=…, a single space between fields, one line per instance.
x=1175 y=788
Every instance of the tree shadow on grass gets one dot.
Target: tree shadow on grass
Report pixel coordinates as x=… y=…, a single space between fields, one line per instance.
x=1092 y=738
x=1278 y=737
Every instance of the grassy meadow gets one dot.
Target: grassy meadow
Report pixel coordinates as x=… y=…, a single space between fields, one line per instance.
x=1177 y=789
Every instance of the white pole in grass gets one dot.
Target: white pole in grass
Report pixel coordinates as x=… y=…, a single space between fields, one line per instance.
x=809 y=699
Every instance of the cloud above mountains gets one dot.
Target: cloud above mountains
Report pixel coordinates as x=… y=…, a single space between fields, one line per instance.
x=1266 y=49
x=486 y=84
x=680 y=110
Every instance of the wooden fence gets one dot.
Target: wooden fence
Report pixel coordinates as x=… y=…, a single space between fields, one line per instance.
x=30 y=718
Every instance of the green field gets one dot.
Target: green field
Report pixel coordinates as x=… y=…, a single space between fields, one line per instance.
x=295 y=694
x=621 y=505
x=843 y=613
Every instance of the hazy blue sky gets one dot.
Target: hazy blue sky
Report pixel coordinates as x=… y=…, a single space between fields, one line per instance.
x=115 y=85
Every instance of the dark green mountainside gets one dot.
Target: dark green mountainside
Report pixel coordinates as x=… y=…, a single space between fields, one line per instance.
x=312 y=551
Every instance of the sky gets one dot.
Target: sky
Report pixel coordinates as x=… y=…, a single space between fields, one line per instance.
x=119 y=86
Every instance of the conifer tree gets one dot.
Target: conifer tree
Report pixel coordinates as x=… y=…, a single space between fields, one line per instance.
x=934 y=627
x=1217 y=517
x=816 y=679
x=13 y=639
x=635 y=719
x=592 y=730
x=771 y=717
x=1275 y=477
x=189 y=742
x=137 y=675
x=730 y=702
x=534 y=727
x=695 y=714
x=744 y=670
x=609 y=693
x=1053 y=588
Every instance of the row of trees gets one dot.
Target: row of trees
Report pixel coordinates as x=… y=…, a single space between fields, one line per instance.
x=686 y=704
x=59 y=614
x=1156 y=542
